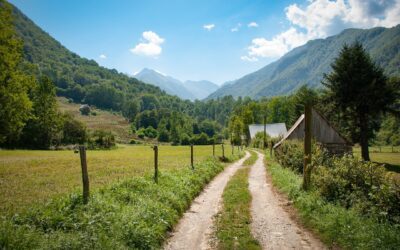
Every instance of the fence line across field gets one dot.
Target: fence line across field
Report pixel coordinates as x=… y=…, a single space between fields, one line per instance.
x=85 y=175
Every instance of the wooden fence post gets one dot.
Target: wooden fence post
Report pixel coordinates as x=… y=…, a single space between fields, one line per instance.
x=232 y=148
x=85 y=176
x=155 y=148
x=223 y=151
x=307 y=146
x=191 y=156
x=265 y=131
x=213 y=149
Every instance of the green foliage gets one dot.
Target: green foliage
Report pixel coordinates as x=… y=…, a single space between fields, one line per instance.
x=358 y=89
x=258 y=140
x=364 y=186
x=150 y=132
x=335 y=224
x=389 y=134
x=290 y=154
x=45 y=125
x=15 y=105
x=201 y=139
x=74 y=131
x=135 y=213
x=101 y=139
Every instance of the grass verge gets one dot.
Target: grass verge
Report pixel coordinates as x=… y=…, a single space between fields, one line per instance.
x=233 y=223
x=251 y=160
x=134 y=213
x=335 y=224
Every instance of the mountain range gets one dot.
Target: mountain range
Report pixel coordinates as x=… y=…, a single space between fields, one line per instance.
x=186 y=90
x=308 y=63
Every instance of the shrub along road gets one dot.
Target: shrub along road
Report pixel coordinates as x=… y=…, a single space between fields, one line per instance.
x=271 y=224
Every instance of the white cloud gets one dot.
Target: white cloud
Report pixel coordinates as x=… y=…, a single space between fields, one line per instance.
x=252 y=25
x=102 y=56
x=249 y=59
x=236 y=28
x=322 y=18
x=209 y=26
x=150 y=46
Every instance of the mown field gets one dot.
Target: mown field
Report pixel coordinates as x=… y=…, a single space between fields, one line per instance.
x=30 y=177
x=385 y=155
x=105 y=120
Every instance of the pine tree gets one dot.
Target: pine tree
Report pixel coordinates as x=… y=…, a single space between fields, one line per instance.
x=359 y=90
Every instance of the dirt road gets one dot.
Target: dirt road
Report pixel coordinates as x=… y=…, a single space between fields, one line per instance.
x=271 y=224
x=195 y=228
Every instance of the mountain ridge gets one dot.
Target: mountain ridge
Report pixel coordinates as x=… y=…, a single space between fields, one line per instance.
x=306 y=64
x=190 y=90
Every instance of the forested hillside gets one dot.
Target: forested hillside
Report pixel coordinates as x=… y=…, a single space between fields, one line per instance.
x=166 y=117
x=306 y=64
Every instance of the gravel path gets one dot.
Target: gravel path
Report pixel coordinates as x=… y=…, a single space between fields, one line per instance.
x=195 y=228
x=271 y=224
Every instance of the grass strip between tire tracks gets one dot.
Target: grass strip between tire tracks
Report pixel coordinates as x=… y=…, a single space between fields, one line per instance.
x=233 y=222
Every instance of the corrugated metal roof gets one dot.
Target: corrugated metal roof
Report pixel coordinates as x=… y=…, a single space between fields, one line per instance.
x=273 y=130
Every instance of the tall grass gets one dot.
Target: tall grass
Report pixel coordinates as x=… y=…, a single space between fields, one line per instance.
x=335 y=224
x=134 y=213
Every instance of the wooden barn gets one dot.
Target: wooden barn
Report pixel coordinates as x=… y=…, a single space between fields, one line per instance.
x=324 y=133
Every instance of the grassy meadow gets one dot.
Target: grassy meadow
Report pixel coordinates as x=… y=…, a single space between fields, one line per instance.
x=385 y=155
x=29 y=177
x=103 y=119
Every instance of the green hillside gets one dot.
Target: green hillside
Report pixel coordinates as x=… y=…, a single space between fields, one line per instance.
x=75 y=77
x=307 y=64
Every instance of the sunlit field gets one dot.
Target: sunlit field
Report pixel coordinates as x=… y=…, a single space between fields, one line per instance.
x=387 y=155
x=31 y=177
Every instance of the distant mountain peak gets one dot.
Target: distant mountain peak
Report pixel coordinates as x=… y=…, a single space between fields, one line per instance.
x=187 y=90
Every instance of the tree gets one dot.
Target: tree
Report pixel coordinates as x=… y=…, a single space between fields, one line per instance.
x=46 y=122
x=358 y=88
x=15 y=105
x=74 y=131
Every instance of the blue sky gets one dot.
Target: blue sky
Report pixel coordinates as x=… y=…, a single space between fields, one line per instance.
x=194 y=40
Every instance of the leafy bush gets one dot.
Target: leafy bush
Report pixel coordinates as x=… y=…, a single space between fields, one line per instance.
x=74 y=131
x=141 y=133
x=185 y=139
x=348 y=181
x=290 y=154
x=101 y=139
x=150 y=132
x=201 y=139
x=364 y=186
x=336 y=225
x=257 y=141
